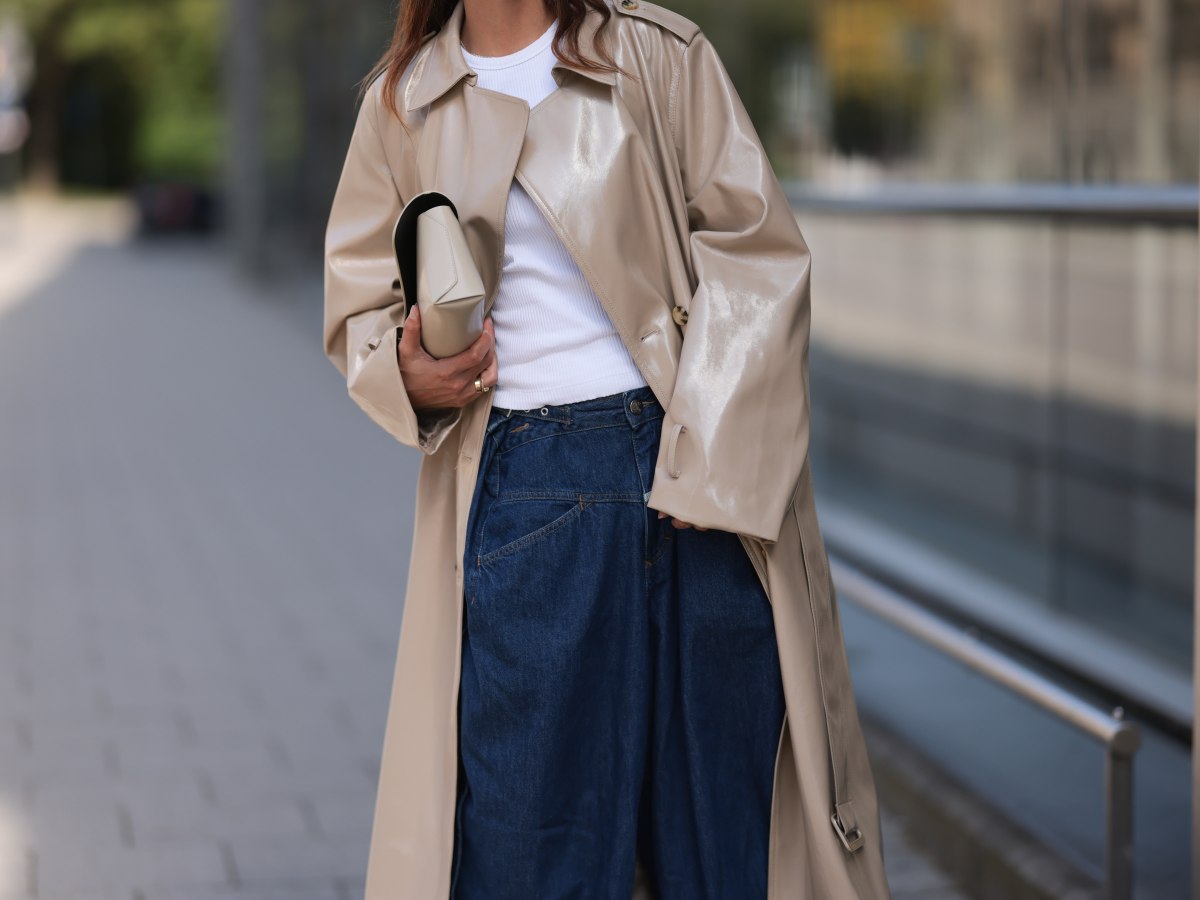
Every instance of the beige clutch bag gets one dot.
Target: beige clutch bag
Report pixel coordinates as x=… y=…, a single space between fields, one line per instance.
x=438 y=274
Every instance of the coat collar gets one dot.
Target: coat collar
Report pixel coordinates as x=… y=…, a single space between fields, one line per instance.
x=442 y=65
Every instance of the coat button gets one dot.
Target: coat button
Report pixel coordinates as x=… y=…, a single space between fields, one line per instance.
x=629 y=4
x=680 y=315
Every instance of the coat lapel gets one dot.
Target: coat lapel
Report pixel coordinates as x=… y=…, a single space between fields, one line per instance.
x=486 y=130
x=580 y=151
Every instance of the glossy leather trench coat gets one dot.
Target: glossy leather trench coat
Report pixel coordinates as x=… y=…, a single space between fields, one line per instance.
x=659 y=187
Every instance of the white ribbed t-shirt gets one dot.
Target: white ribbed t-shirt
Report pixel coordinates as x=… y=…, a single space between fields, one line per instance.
x=554 y=341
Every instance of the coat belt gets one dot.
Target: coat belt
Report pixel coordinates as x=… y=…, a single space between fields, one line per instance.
x=843 y=818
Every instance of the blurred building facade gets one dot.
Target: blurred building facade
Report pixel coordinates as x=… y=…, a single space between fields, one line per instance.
x=1001 y=200
x=1080 y=91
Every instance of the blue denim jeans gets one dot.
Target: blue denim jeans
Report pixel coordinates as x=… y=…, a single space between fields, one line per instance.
x=620 y=692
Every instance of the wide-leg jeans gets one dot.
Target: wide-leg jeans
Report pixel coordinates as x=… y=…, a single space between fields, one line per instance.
x=621 y=693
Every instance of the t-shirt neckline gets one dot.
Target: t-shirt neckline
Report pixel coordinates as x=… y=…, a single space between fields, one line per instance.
x=517 y=56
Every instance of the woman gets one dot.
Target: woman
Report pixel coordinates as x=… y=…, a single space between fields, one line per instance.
x=601 y=702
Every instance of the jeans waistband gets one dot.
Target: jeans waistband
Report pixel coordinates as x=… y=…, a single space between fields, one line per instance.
x=635 y=399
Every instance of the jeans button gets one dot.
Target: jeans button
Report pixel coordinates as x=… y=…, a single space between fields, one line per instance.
x=635 y=406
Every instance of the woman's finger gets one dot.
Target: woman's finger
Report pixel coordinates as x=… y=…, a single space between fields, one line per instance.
x=492 y=373
x=410 y=336
x=471 y=360
x=679 y=523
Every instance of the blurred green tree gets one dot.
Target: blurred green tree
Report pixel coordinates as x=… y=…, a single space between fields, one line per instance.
x=166 y=96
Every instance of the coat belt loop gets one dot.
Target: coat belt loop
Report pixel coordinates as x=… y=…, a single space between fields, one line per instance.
x=672 y=443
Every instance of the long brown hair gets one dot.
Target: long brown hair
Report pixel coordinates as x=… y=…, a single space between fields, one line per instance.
x=417 y=18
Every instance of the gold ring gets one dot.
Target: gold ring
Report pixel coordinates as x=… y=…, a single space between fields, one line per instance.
x=479 y=388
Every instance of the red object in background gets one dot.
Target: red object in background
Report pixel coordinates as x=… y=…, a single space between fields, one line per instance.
x=173 y=206
x=14 y=129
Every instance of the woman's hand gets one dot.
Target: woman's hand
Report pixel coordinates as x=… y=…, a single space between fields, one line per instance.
x=679 y=523
x=433 y=383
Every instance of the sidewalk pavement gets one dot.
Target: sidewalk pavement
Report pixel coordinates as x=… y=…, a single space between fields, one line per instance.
x=197 y=613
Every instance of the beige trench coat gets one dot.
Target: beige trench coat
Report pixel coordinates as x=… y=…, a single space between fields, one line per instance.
x=659 y=187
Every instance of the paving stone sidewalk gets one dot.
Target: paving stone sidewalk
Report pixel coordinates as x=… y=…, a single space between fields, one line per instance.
x=202 y=554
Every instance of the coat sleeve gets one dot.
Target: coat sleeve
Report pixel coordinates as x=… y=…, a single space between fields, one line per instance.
x=364 y=314
x=736 y=430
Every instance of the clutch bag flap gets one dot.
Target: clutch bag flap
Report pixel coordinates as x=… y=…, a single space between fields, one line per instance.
x=450 y=290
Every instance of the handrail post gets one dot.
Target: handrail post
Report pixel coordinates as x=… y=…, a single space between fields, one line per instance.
x=1119 y=737
x=1118 y=838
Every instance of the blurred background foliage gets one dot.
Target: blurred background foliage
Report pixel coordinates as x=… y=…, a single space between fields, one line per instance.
x=124 y=90
x=842 y=92
x=131 y=89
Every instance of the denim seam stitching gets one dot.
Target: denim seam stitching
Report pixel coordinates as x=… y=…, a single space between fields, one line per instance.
x=590 y=497
x=666 y=542
x=481 y=528
x=504 y=448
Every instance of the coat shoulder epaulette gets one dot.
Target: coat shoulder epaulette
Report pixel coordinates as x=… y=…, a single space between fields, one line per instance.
x=676 y=23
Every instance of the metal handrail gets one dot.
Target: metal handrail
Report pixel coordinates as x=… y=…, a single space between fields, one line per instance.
x=1120 y=737
x=1123 y=204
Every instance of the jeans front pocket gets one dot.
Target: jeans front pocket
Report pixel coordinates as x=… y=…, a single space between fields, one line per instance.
x=548 y=476
x=517 y=524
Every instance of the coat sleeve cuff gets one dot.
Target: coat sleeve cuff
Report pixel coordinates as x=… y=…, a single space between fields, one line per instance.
x=686 y=487
x=376 y=385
